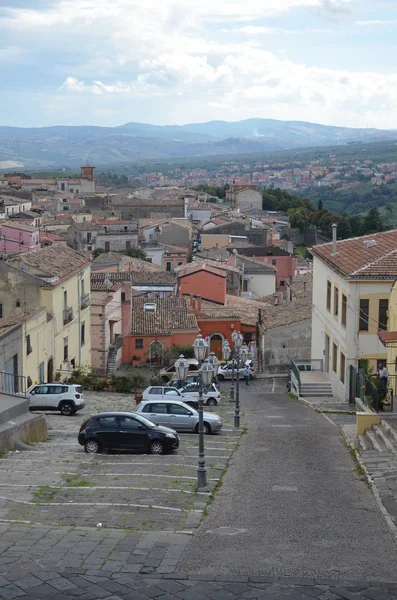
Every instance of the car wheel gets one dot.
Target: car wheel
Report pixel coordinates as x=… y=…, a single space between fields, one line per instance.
x=92 y=447
x=221 y=377
x=67 y=409
x=212 y=402
x=206 y=428
x=156 y=447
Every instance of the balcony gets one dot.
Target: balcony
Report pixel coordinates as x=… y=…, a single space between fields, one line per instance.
x=84 y=301
x=67 y=315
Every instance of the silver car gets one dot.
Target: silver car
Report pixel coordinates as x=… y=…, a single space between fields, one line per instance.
x=178 y=416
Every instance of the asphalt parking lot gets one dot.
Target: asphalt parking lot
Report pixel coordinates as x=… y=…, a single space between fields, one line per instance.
x=58 y=485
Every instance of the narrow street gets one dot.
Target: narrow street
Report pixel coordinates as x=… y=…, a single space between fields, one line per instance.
x=291 y=503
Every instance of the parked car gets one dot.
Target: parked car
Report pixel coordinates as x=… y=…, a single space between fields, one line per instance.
x=167 y=373
x=226 y=371
x=179 y=383
x=67 y=398
x=125 y=431
x=211 y=397
x=178 y=415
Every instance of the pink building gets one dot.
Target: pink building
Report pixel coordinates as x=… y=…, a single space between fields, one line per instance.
x=281 y=260
x=17 y=237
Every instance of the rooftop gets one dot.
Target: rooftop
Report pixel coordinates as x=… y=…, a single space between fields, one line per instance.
x=51 y=262
x=105 y=284
x=367 y=257
x=261 y=251
x=197 y=267
x=170 y=314
x=20 y=226
x=116 y=258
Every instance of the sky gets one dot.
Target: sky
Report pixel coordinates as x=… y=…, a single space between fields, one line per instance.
x=108 y=62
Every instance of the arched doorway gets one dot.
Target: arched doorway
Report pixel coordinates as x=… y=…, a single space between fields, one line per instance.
x=50 y=370
x=216 y=341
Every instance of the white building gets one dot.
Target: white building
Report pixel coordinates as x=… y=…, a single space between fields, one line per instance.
x=352 y=280
x=244 y=196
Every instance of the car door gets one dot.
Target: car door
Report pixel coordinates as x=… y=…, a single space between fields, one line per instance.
x=55 y=395
x=38 y=397
x=108 y=432
x=157 y=413
x=181 y=418
x=133 y=434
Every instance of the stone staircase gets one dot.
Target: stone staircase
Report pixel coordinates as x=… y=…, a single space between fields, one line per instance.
x=318 y=388
x=111 y=366
x=381 y=438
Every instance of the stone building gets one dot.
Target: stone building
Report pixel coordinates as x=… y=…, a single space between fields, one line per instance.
x=244 y=196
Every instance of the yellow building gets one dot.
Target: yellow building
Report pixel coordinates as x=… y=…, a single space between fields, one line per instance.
x=389 y=338
x=57 y=279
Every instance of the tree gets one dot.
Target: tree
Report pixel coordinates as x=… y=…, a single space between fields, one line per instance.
x=320 y=205
x=97 y=252
x=373 y=221
x=136 y=253
x=298 y=218
x=344 y=228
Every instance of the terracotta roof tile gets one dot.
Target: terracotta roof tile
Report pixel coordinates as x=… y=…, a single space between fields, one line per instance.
x=51 y=261
x=170 y=315
x=355 y=260
x=195 y=268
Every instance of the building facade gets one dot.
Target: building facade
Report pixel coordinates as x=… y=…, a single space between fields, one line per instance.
x=17 y=238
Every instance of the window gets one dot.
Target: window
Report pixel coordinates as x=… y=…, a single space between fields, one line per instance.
x=65 y=300
x=382 y=319
x=168 y=266
x=364 y=314
x=342 y=367
x=128 y=245
x=334 y=357
x=1 y=311
x=336 y=302
x=171 y=392
x=109 y=422
x=28 y=346
x=329 y=292
x=180 y=263
x=130 y=423
x=71 y=191
x=18 y=303
x=282 y=283
x=65 y=348
x=245 y=285
x=89 y=248
x=41 y=389
x=138 y=344
x=107 y=246
x=82 y=337
x=82 y=287
x=155 y=408
x=122 y=296
x=176 y=409
x=155 y=391
x=344 y=310
x=55 y=389
x=273 y=262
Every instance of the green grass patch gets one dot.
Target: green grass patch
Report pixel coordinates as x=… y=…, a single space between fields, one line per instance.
x=45 y=493
x=291 y=395
x=75 y=480
x=334 y=412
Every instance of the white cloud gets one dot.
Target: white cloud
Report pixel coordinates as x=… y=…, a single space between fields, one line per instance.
x=376 y=22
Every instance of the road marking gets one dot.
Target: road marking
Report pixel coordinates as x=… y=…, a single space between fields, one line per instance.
x=274 y=385
x=119 y=504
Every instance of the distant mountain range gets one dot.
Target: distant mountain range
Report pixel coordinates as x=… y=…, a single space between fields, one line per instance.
x=67 y=145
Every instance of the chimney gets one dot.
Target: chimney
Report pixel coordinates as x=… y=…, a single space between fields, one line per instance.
x=199 y=304
x=334 y=229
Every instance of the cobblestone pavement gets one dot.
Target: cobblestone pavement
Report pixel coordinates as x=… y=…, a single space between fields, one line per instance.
x=51 y=547
x=62 y=508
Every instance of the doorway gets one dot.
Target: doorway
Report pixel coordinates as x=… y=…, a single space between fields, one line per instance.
x=50 y=370
x=326 y=354
x=216 y=342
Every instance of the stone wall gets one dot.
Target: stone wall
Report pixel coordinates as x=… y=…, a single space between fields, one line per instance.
x=287 y=342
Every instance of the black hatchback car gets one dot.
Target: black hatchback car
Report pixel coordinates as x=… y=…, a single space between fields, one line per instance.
x=124 y=431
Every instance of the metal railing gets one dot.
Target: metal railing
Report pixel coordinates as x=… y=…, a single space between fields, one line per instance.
x=67 y=315
x=84 y=301
x=118 y=341
x=369 y=391
x=12 y=384
x=296 y=377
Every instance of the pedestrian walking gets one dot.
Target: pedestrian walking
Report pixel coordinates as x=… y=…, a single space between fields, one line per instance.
x=246 y=375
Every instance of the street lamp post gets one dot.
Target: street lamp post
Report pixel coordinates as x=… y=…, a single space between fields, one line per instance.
x=206 y=371
x=181 y=367
x=234 y=337
x=238 y=341
x=213 y=360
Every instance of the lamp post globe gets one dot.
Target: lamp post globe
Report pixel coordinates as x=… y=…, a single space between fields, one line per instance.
x=207 y=373
x=213 y=360
x=238 y=341
x=181 y=367
x=200 y=347
x=226 y=350
x=244 y=353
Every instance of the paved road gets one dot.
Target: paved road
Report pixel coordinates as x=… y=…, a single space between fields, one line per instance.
x=291 y=504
